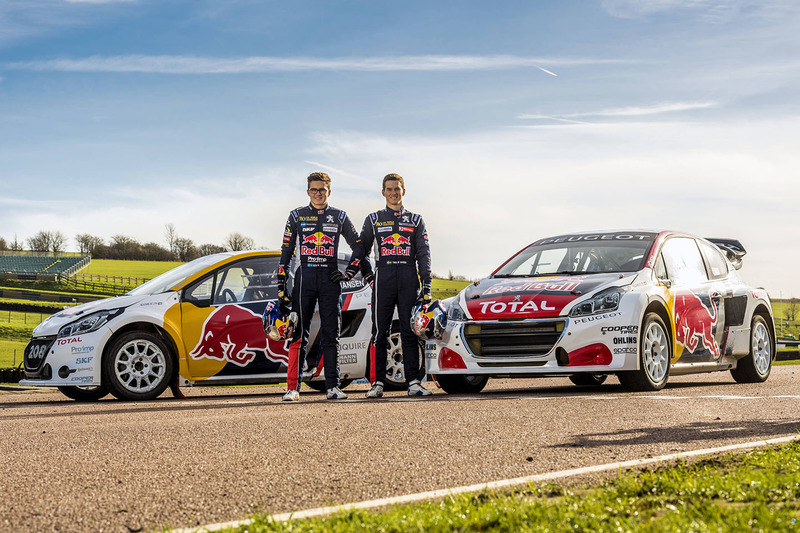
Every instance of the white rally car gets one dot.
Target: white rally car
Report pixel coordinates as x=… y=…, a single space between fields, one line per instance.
x=637 y=304
x=198 y=324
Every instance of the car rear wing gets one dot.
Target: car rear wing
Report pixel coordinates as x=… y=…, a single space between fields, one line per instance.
x=732 y=248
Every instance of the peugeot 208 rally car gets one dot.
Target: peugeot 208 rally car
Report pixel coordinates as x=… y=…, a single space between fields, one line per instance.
x=637 y=304
x=198 y=324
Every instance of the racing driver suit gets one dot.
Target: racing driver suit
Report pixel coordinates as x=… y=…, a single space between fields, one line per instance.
x=312 y=236
x=402 y=251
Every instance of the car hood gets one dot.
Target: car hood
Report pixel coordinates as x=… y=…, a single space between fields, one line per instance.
x=535 y=297
x=53 y=323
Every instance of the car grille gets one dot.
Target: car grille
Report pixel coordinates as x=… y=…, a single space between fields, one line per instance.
x=513 y=338
x=36 y=352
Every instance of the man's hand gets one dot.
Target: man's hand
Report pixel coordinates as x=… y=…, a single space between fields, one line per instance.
x=284 y=304
x=370 y=279
x=338 y=276
x=425 y=294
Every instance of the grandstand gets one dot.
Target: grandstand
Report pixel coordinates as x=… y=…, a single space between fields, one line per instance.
x=41 y=265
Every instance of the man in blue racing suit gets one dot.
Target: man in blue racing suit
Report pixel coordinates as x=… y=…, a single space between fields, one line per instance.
x=402 y=253
x=312 y=236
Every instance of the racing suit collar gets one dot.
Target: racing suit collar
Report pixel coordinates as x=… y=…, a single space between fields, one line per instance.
x=319 y=211
x=396 y=212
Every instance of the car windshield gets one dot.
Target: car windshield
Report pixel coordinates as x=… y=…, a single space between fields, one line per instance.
x=580 y=254
x=169 y=279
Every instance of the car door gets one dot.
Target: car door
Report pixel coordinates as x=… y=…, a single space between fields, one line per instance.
x=221 y=318
x=694 y=302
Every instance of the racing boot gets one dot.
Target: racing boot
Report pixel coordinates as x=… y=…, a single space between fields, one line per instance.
x=416 y=389
x=291 y=396
x=336 y=394
x=376 y=391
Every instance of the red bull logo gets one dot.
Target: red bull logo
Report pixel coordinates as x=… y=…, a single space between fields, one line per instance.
x=400 y=245
x=236 y=334
x=322 y=245
x=695 y=323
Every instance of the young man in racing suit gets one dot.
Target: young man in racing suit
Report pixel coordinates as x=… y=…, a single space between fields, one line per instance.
x=401 y=253
x=312 y=236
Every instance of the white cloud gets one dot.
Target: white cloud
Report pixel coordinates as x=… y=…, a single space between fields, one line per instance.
x=632 y=111
x=168 y=64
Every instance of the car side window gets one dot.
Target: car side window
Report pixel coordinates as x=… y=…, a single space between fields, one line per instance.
x=659 y=269
x=717 y=265
x=683 y=261
x=251 y=280
x=200 y=291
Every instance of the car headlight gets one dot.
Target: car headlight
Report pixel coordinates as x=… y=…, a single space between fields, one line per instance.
x=602 y=302
x=88 y=323
x=455 y=312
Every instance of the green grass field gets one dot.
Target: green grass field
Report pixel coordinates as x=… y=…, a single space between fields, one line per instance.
x=133 y=269
x=7 y=356
x=755 y=491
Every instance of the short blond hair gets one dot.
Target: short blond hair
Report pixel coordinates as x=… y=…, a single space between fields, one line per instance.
x=394 y=177
x=320 y=176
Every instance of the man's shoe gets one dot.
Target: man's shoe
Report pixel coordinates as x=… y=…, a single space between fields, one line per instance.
x=376 y=391
x=291 y=396
x=415 y=389
x=336 y=394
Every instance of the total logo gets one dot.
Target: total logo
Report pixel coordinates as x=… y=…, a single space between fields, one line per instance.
x=68 y=340
x=320 y=243
x=395 y=244
x=517 y=306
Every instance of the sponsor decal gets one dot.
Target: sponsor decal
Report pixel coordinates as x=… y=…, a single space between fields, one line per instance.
x=626 y=340
x=81 y=349
x=308 y=219
x=361 y=345
x=145 y=304
x=406 y=218
x=83 y=360
x=385 y=229
x=625 y=330
x=333 y=229
x=695 y=324
x=321 y=245
x=397 y=245
x=516 y=306
x=235 y=334
x=594 y=318
x=549 y=286
x=81 y=379
x=68 y=340
x=353 y=284
x=408 y=229
x=598 y=237
x=631 y=349
x=329 y=219
x=347 y=359
x=387 y=223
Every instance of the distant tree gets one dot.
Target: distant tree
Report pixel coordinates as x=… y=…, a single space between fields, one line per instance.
x=41 y=242
x=57 y=242
x=791 y=308
x=155 y=252
x=236 y=242
x=171 y=234
x=208 y=249
x=3 y=245
x=16 y=246
x=87 y=244
x=185 y=249
x=124 y=247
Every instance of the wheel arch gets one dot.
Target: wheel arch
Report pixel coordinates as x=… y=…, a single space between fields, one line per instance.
x=658 y=307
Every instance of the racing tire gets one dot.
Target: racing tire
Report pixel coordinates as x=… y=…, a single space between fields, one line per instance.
x=588 y=380
x=756 y=366
x=84 y=394
x=655 y=356
x=462 y=384
x=395 y=372
x=138 y=366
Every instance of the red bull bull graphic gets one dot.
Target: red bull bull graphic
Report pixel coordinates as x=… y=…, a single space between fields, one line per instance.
x=235 y=334
x=695 y=323
x=395 y=244
x=322 y=245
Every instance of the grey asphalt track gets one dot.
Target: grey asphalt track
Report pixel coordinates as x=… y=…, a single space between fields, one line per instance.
x=222 y=454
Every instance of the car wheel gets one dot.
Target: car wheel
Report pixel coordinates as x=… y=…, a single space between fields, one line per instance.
x=84 y=394
x=138 y=366
x=756 y=366
x=588 y=380
x=462 y=384
x=395 y=371
x=655 y=355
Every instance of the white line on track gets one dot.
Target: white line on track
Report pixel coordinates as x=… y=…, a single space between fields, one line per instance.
x=537 y=478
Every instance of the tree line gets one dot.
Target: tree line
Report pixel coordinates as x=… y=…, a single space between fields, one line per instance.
x=125 y=247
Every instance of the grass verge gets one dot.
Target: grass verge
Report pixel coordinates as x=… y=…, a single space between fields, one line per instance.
x=7 y=348
x=754 y=491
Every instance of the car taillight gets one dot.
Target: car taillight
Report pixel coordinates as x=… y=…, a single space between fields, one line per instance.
x=450 y=359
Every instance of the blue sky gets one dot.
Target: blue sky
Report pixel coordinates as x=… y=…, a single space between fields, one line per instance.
x=510 y=120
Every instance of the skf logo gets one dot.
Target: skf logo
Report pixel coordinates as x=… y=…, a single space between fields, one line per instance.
x=395 y=244
x=320 y=243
